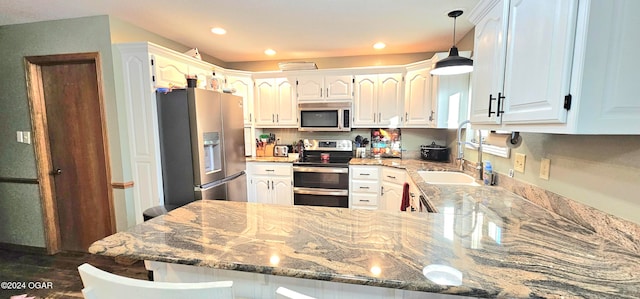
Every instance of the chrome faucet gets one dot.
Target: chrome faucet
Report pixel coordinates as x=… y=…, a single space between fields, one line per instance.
x=461 y=143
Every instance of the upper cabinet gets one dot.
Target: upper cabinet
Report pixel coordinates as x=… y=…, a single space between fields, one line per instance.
x=572 y=74
x=243 y=86
x=324 y=87
x=275 y=103
x=378 y=100
x=419 y=111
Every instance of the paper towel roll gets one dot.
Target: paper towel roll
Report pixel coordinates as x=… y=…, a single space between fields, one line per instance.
x=514 y=141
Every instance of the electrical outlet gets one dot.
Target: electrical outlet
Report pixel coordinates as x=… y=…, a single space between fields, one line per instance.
x=518 y=165
x=545 y=164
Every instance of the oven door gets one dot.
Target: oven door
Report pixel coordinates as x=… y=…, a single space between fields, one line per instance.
x=321 y=177
x=320 y=197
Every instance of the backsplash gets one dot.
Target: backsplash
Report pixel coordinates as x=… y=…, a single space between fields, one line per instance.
x=411 y=138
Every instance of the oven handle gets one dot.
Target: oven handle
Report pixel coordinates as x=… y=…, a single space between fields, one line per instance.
x=320 y=169
x=320 y=191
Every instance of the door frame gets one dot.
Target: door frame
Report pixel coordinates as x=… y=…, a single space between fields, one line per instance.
x=44 y=165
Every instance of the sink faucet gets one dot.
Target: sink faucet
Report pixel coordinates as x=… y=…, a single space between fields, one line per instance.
x=461 y=144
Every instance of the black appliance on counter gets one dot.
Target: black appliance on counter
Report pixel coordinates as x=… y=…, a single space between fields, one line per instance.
x=434 y=152
x=321 y=177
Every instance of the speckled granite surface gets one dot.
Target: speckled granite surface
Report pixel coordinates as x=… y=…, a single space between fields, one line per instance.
x=503 y=245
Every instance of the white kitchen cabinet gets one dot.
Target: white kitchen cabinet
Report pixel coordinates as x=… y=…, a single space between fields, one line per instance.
x=419 y=109
x=275 y=103
x=393 y=180
x=169 y=72
x=378 y=101
x=324 y=87
x=243 y=86
x=537 y=63
x=364 y=187
x=270 y=183
x=573 y=74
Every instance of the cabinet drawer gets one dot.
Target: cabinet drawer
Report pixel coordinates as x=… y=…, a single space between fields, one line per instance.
x=364 y=199
x=365 y=173
x=365 y=186
x=394 y=175
x=271 y=169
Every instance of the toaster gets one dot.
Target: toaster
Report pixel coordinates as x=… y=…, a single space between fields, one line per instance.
x=280 y=151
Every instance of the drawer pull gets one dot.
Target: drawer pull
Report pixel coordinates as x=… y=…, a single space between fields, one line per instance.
x=364 y=187
x=364 y=174
x=364 y=200
x=391 y=177
x=270 y=170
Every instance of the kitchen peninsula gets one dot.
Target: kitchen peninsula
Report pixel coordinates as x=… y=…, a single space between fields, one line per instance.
x=485 y=242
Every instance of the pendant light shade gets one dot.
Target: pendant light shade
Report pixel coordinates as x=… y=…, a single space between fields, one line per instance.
x=454 y=64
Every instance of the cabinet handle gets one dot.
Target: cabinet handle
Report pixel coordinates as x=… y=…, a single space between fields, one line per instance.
x=364 y=174
x=381 y=190
x=267 y=185
x=278 y=118
x=491 y=99
x=327 y=94
x=272 y=188
x=273 y=118
x=500 y=103
x=364 y=187
x=431 y=116
x=374 y=117
x=320 y=91
x=250 y=119
x=379 y=116
x=406 y=116
x=269 y=170
x=364 y=200
x=391 y=177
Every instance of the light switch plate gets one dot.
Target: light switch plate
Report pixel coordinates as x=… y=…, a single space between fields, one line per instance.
x=545 y=164
x=19 y=136
x=26 y=137
x=518 y=164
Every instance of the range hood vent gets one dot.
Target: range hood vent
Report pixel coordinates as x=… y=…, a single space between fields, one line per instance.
x=297 y=66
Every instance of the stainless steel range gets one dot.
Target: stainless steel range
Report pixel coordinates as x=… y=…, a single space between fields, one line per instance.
x=321 y=178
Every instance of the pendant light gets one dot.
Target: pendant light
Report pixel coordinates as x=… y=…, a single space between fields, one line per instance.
x=454 y=64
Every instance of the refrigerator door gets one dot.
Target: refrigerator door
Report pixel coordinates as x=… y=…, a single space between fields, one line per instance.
x=234 y=150
x=206 y=135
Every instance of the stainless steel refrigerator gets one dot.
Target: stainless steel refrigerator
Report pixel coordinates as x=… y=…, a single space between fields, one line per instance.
x=201 y=145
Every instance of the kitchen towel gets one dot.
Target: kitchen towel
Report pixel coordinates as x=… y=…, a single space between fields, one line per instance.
x=405 y=198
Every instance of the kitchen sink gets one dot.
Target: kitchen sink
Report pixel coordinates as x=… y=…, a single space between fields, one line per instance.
x=447 y=178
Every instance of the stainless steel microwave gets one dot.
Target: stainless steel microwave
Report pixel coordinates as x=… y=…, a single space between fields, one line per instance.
x=329 y=116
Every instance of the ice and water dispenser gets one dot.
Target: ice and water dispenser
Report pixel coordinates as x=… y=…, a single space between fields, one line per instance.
x=212 y=152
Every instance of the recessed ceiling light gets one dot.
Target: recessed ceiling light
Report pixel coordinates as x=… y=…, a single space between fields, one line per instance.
x=379 y=45
x=270 y=52
x=218 y=30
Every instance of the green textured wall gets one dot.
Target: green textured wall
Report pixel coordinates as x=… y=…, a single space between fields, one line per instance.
x=20 y=207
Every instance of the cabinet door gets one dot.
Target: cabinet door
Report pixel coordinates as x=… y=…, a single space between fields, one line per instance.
x=169 y=73
x=390 y=99
x=310 y=88
x=418 y=110
x=538 y=62
x=265 y=103
x=261 y=188
x=282 y=190
x=488 y=65
x=450 y=98
x=338 y=87
x=364 y=104
x=391 y=197
x=244 y=88
x=204 y=76
x=287 y=111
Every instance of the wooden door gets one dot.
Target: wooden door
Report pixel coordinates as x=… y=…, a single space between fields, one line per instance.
x=78 y=161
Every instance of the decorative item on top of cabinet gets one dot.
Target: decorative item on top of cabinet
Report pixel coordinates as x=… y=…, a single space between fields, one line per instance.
x=324 y=88
x=275 y=103
x=378 y=101
x=578 y=79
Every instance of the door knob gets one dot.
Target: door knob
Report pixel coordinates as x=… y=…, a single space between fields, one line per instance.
x=57 y=172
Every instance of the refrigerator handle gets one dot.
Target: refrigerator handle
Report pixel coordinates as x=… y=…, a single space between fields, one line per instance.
x=211 y=185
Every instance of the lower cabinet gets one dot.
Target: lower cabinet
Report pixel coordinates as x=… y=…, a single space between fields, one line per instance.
x=393 y=180
x=270 y=183
x=364 y=187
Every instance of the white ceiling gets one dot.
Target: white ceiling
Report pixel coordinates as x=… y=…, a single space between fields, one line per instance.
x=296 y=29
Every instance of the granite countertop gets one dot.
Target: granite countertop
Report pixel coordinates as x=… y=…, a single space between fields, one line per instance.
x=503 y=246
